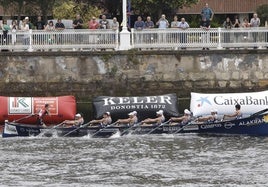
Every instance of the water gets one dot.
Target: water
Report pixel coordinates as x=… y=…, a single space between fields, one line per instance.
x=152 y=160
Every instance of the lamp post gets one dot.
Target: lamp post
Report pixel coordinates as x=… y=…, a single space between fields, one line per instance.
x=124 y=34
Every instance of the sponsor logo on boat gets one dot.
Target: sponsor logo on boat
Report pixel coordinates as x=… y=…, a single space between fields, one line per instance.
x=10 y=129
x=256 y=121
x=191 y=128
x=210 y=126
x=228 y=125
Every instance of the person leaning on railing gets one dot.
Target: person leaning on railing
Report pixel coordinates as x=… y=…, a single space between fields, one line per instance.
x=183 y=25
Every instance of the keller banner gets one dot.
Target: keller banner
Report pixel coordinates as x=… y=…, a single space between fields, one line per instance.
x=251 y=102
x=146 y=106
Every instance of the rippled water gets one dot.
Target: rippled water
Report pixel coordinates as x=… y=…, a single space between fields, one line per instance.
x=152 y=160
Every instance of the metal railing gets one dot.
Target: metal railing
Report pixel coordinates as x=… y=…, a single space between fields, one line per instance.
x=84 y=39
x=199 y=38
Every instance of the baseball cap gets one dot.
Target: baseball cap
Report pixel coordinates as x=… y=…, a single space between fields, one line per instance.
x=78 y=115
x=186 y=111
x=160 y=112
x=108 y=113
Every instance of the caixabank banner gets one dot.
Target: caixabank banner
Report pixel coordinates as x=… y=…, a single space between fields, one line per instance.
x=250 y=102
x=145 y=106
x=25 y=109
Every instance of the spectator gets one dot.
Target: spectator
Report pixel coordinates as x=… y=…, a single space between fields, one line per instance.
x=115 y=24
x=5 y=28
x=245 y=25
x=236 y=26
x=205 y=36
x=25 y=28
x=162 y=22
x=93 y=24
x=59 y=26
x=183 y=25
x=78 y=22
x=50 y=27
x=39 y=25
x=28 y=22
x=139 y=24
x=255 y=22
x=175 y=22
x=227 y=24
x=148 y=24
x=104 y=23
x=14 y=28
x=207 y=12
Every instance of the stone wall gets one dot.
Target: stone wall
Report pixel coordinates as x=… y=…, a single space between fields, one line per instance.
x=90 y=74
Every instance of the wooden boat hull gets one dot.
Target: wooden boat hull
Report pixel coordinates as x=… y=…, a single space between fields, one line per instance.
x=24 y=130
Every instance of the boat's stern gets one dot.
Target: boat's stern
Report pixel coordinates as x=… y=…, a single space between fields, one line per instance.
x=9 y=130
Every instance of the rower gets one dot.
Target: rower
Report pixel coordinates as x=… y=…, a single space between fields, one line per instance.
x=155 y=121
x=210 y=118
x=236 y=115
x=130 y=121
x=104 y=121
x=182 y=120
x=78 y=120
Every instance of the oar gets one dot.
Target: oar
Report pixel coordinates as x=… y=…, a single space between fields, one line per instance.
x=158 y=127
x=25 y=117
x=103 y=129
x=76 y=129
x=177 y=131
x=260 y=112
x=130 y=128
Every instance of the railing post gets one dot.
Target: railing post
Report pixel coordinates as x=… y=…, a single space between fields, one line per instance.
x=124 y=34
x=30 y=49
x=219 y=39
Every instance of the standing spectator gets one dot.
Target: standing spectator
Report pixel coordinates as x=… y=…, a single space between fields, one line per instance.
x=227 y=24
x=175 y=22
x=78 y=24
x=50 y=28
x=174 y=36
x=255 y=22
x=14 y=28
x=183 y=25
x=104 y=23
x=59 y=26
x=40 y=25
x=205 y=36
x=139 y=26
x=207 y=13
x=93 y=24
x=236 y=26
x=29 y=23
x=5 y=28
x=25 y=28
x=245 y=25
x=148 y=24
x=115 y=24
x=162 y=22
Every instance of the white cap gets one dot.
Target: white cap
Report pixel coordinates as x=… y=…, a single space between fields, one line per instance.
x=214 y=110
x=160 y=112
x=108 y=113
x=186 y=111
x=26 y=17
x=132 y=113
x=78 y=115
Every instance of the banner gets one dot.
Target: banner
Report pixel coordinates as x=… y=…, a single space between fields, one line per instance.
x=251 y=102
x=146 y=106
x=23 y=109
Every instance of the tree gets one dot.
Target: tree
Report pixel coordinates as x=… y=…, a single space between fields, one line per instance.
x=262 y=12
x=155 y=8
